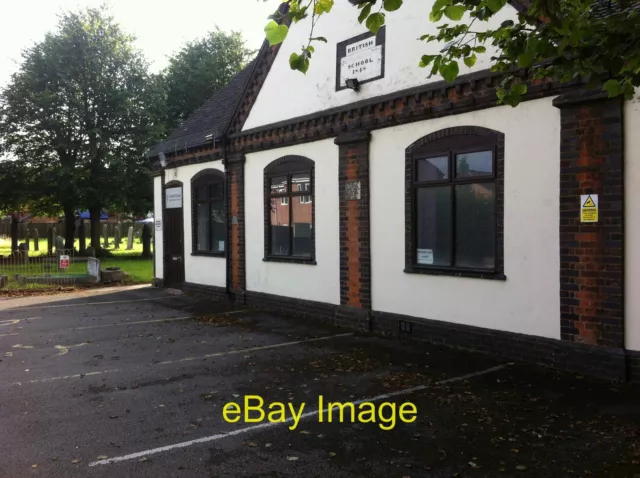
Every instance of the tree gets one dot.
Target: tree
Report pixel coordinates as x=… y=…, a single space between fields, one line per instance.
x=81 y=109
x=595 y=41
x=200 y=69
x=39 y=125
x=16 y=191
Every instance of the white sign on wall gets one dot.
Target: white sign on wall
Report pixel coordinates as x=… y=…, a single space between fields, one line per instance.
x=159 y=225
x=425 y=256
x=173 y=198
x=361 y=58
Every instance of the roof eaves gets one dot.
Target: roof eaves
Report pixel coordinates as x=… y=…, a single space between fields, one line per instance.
x=209 y=120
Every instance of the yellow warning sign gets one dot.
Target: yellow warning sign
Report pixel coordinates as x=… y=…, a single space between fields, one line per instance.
x=589 y=208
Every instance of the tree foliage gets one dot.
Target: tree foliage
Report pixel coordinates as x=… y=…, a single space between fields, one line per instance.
x=17 y=194
x=15 y=188
x=80 y=112
x=200 y=69
x=595 y=41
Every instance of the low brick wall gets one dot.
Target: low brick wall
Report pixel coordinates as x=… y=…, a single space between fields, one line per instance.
x=603 y=362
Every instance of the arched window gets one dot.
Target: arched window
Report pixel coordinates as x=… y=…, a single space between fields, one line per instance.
x=455 y=202
x=290 y=209
x=209 y=224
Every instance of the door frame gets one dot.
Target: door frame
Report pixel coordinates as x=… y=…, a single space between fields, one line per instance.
x=165 y=235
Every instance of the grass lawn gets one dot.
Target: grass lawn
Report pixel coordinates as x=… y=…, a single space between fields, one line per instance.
x=139 y=270
x=5 y=247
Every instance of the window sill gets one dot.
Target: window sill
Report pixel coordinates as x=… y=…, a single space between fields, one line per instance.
x=456 y=273
x=209 y=254
x=292 y=260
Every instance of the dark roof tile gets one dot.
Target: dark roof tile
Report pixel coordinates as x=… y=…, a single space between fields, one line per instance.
x=211 y=118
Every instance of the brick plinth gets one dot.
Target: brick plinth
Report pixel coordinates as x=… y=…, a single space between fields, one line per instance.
x=355 y=253
x=591 y=254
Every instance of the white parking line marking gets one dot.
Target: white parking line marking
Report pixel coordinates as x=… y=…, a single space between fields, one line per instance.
x=253 y=349
x=140 y=322
x=79 y=375
x=94 y=303
x=16 y=321
x=119 y=324
x=240 y=431
x=6 y=335
x=188 y=359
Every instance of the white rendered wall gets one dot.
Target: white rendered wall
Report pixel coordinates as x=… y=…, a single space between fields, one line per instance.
x=319 y=282
x=198 y=269
x=315 y=91
x=528 y=301
x=632 y=223
x=158 y=252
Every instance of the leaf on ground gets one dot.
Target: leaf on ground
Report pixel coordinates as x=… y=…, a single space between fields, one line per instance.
x=521 y=467
x=332 y=453
x=268 y=445
x=76 y=461
x=103 y=457
x=305 y=432
x=252 y=444
x=143 y=459
x=292 y=458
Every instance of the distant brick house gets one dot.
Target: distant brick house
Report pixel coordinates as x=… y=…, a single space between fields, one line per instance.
x=409 y=203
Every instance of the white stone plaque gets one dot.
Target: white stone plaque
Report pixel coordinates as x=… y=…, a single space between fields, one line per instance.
x=360 y=58
x=363 y=65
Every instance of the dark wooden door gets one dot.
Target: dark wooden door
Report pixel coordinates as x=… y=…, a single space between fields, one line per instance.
x=174 y=252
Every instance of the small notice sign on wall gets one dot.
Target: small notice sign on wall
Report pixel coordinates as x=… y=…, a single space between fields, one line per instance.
x=159 y=225
x=64 y=262
x=589 y=208
x=173 y=199
x=425 y=256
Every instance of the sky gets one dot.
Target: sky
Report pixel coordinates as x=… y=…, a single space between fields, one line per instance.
x=161 y=26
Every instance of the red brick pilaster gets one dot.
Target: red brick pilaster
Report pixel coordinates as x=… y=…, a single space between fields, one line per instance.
x=592 y=254
x=236 y=273
x=355 y=254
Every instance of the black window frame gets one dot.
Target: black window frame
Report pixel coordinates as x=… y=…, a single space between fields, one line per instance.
x=450 y=143
x=289 y=166
x=207 y=177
